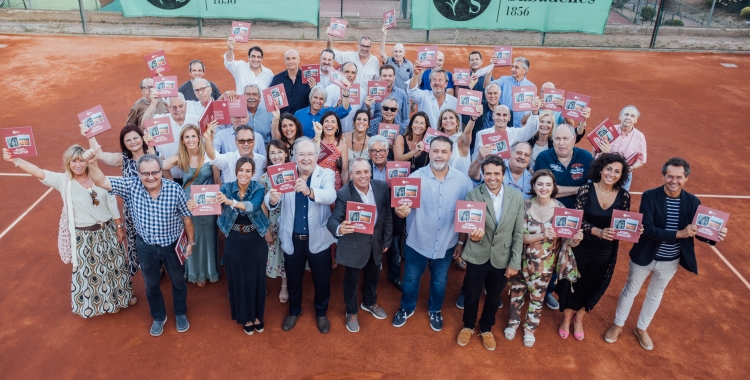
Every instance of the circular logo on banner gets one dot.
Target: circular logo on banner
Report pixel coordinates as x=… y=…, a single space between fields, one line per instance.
x=169 y=4
x=459 y=10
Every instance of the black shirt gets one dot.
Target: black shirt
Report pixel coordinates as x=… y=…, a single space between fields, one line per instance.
x=297 y=93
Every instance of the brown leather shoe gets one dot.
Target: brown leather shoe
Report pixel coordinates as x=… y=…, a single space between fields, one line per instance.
x=644 y=339
x=612 y=334
x=488 y=340
x=464 y=336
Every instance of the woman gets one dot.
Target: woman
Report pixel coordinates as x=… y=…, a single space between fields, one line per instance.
x=357 y=139
x=91 y=236
x=597 y=253
x=409 y=146
x=278 y=153
x=540 y=252
x=388 y=112
x=449 y=123
x=631 y=143
x=328 y=134
x=286 y=128
x=191 y=158
x=542 y=140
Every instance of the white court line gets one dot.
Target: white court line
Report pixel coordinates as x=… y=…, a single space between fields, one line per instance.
x=25 y=212
x=15 y=174
x=731 y=266
x=706 y=195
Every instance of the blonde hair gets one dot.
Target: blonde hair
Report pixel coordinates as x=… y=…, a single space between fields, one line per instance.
x=183 y=158
x=73 y=153
x=551 y=114
x=458 y=121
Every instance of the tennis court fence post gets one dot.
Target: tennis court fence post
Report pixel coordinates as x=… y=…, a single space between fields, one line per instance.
x=656 y=25
x=200 y=27
x=83 y=16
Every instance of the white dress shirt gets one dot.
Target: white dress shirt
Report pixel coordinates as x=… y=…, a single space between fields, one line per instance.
x=194 y=108
x=369 y=71
x=244 y=76
x=227 y=162
x=514 y=134
x=427 y=102
x=333 y=95
x=497 y=204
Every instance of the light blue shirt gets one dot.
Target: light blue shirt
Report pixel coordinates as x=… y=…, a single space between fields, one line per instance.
x=506 y=84
x=402 y=117
x=306 y=118
x=430 y=227
x=261 y=121
x=427 y=102
x=224 y=142
x=523 y=184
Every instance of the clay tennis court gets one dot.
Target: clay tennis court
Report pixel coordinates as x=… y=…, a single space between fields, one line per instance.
x=691 y=106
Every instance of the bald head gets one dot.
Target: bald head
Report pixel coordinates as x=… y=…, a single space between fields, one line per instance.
x=398 y=53
x=548 y=85
x=291 y=60
x=440 y=60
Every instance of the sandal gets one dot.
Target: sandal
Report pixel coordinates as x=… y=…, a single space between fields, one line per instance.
x=132 y=301
x=284 y=294
x=510 y=332
x=564 y=334
x=461 y=264
x=579 y=335
x=201 y=284
x=528 y=339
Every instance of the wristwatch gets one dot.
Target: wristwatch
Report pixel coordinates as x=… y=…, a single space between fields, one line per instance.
x=461 y=242
x=191 y=242
x=121 y=225
x=234 y=203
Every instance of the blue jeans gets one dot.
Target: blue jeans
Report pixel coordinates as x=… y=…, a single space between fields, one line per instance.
x=151 y=258
x=414 y=267
x=628 y=181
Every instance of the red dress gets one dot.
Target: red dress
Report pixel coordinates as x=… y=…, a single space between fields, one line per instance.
x=330 y=163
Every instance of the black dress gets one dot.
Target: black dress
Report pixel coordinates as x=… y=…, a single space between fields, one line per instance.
x=595 y=257
x=245 y=257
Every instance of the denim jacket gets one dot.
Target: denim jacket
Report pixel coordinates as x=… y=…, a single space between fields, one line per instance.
x=253 y=200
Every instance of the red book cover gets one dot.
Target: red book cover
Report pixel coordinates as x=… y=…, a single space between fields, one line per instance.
x=566 y=222
x=499 y=142
x=325 y=151
x=181 y=247
x=504 y=54
x=160 y=130
x=238 y=108
x=205 y=197
x=378 y=90
x=523 y=98
x=283 y=176
x=166 y=87
x=396 y=170
x=95 y=120
x=389 y=131
x=430 y=134
x=549 y=95
x=468 y=102
x=338 y=27
x=461 y=77
x=215 y=110
x=206 y=117
x=354 y=94
x=406 y=190
x=604 y=131
x=275 y=97
x=427 y=56
x=469 y=216
x=311 y=71
x=633 y=158
x=574 y=105
x=19 y=141
x=626 y=225
x=156 y=63
x=362 y=217
x=240 y=31
x=337 y=78
x=710 y=222
x=389 y=19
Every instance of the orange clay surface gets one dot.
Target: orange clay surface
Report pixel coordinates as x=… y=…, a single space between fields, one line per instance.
x=691 y=106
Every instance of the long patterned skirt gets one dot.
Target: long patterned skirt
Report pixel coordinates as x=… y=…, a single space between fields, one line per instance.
x=133 y=264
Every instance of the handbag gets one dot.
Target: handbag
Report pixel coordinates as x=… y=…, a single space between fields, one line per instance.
x=567 y=268
x=64 y=237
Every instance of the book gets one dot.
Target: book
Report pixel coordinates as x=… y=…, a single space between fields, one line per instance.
x=389 y=19
x=156 y=63
x=160 y=130
x=626 y=225
x=574 y=105
x=238 y=108
x=204 y=197
x=389 y=131
x=338 y=27
x=19 y=141
x=311 y=71
x=566 y=222
x=468 y=102
x=406 y=190
x=549 y=95
x=95 y=120
x=283 y=176
x=378 y=90
x=499 y=142
x=523 y=98
x=396 y=170
x=181 y=247
x=338 y=78
x=504 y=54
x=633 y=158
x=166 y=87
x=361 y=216
x=710 y=222
x=325 y=151
x=604 y=131
x=461 y=77
x=240 y=31
x=469 y=216
x=275 y=97
x=216 y=110
x=354 y=95
x=430 y=134
x=427 y=56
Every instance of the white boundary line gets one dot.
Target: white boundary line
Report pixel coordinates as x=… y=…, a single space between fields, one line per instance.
x=25 y=212
x=15 y=174
x=706 y=195
x=731 y=267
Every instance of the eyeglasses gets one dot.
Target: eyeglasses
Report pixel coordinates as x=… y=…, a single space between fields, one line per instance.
x=378 y=151
x=199 y=90
x=92 y=193
x=146 y=87
x=392 y=109
x=175 y=108
x=365 y=46
x=150 y=174
x=245 y=142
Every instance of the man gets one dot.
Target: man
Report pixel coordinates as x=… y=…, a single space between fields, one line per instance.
x=430 y=240
x=569 y=164
x=326 y=63
x=388 y=74
x=159 y=210
x=177 y=120
x=501 y=117
x=492 y=254
x=665 y=244
x=202 y=89
x=424 y=81
x=435 y=101
x=378 y=149
x=476 y=62
x=258 y=117
x=303 y=233
x=486 y=120
x=197 y=70
x=148 y=95
x=247 y=73
x=517 y=78
x=359 y=252
x=367 y=64
x=518 y=176
x=297 y=89
x=403 y=68
x=224 y=139
x=307 y=116
x=244 y=138
x=333 y=97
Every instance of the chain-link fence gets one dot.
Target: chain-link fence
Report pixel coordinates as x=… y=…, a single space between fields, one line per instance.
x=663 y=24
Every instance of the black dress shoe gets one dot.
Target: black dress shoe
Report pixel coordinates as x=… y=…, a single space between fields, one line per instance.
x=323 y=325
x=398 y=284
x=290 y=321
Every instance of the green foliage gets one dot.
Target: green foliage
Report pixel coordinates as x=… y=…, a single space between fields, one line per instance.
x=745 y=13
x=619 y=4
x=648 y=13
x=673 y=22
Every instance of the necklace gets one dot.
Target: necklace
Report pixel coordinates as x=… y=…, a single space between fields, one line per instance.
x=84 y=184
x=603 y=191
x=364 y=143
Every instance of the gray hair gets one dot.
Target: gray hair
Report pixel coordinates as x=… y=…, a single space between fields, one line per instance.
x=143 y=80
x=179 y=95
x=517 y=143
x=524 y=62
x=492 y=84
x=197 y=80
x=566 y=126
x=388 y=99
x=358 y=159
x=290 y=51
x=149 y=158
x=633 y=107
x=316 y=89
x=252 y=85
x=433 y=72
x=303 y=140
x=343 y=67
x=377 y=139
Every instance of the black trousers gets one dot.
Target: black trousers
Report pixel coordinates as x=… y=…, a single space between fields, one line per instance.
x=369 y=284
x=392 y=256
x=478 y=277
x=320 y=266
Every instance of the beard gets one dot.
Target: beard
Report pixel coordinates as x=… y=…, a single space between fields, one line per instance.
x=438 y=166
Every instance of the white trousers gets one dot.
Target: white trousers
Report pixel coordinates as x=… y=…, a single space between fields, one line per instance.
x=663 y=271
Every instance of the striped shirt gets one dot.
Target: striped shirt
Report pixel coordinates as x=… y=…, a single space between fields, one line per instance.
x=669 y=252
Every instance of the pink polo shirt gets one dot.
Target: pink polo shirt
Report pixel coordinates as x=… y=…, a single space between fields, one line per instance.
x=630 y=143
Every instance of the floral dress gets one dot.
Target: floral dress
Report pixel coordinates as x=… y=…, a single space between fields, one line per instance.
x=333 y=162
x=275 y=264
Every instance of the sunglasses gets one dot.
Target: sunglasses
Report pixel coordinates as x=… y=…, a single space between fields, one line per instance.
x=245 y=142
x=392 y=109
x=93 y=194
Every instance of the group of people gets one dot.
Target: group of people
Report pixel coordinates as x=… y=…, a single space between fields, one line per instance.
x=272 y=234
